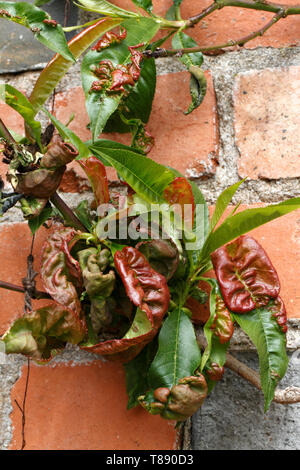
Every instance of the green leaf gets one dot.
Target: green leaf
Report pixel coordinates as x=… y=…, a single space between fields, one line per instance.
x=58 y=66
x=82 y=213
x=208 y=332
x=141 y=325
x=178 y=353
x=69 y=136
x=183 y=41
x=16 y=100
x=145 y=4
x=137 y=374
x=270 y=342
x=222 y=203
x=244 y=221
x=36 y=222
x=33 y=18
x=105 y=8
x=100 y=105
x=146 y=177
x=198 y=86
x=39 y=3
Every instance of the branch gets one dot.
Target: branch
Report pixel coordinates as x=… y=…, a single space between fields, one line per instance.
x=239 y=42
x=253 y=5
x=36 y=295
x=287 y=396
x=67 y=212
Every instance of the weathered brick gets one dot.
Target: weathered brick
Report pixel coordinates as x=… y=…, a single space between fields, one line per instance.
x=14 y=249
x=13 y=121
x=231 y=23
x=83 y=407
x=187 y=143
x=267 y=119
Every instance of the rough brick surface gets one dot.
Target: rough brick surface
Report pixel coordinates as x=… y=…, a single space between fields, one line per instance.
x=83 y=407
x=267 y=120
x=231 y=23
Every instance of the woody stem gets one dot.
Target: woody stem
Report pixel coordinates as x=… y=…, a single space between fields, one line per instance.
x=67 y=213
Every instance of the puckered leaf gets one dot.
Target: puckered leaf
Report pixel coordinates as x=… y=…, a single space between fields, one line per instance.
x=145 y=287
x=264 y=331
x=59 y=270
x=41 y=334
x=246 y=276
x=96 y=173
x=179 y=402
x=162 y=255
x=180 y=192
x=102 y=101
x=147 y=290
x=58 y=66
x=37 y=20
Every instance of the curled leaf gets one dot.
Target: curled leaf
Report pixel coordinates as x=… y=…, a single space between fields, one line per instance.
x=279 y=313
x=162 y=256
x=59 y=270
x=58 y=153
x=96 y=174
x=245 y=274
x=223 y=324
x=42 y=333
x=40 y=183
x=109 y=39
x=179 y=402
x=214 y=372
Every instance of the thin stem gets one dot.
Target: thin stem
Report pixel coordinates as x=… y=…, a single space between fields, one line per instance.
x=253 y=5
x=4 y=132
x=37 y=294
x=67 y=212
x=238 y=42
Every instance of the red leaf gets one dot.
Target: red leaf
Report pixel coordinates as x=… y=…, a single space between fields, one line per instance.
x=223 y=324
x=180 y=192
x=279 y=313
x=215 y=372
x=245 y=274
x=96 y=174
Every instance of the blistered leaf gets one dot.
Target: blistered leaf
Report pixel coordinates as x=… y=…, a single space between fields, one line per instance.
x=96 y=173
x=245 y=274
x=59 y=270
x=214 y=372
x=261 y=325
x=162 y=256
x=180 y=192
x=58 y=66
x=145 y=287
x=180 y=401
x=41 y=334
x=47 y=32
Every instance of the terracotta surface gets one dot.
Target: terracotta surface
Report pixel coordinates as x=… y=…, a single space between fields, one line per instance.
x=267 y=120
x=83 y=407
x=232 y=23
x=14 y=249
x=13 y=121
x=187 y=143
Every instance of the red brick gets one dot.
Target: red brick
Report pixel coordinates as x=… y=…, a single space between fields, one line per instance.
x=14 y=122
x=84 y=407
x=188 y=143
x=267 y=119
x=231 y=23
x=14 y=249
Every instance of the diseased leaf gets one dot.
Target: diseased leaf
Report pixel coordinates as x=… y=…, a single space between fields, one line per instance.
x=244 y=221
x=263 y=330
x=102 y=101
x=178 y=353
x=180 y=192
x=162 y=255
x=41 y=334
x=146 y=177
x=245 y=274
x=58 y=66
x=16 y=100
x=96 y=174
x=48 y=33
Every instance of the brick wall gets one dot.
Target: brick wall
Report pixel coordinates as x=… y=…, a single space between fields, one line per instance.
x=248 y=125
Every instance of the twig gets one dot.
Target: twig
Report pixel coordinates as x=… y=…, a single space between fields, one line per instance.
x=253 y=5
x=4 y=132
x=13 y=287
x=287 y=396
x=23 y=407
x=239 y=42
x=67 y=212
